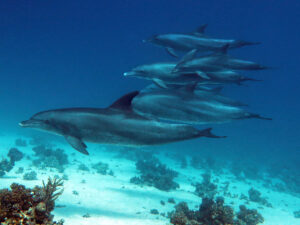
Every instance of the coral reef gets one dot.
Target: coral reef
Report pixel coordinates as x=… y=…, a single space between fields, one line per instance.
x=30 y=176
x=15 y=155
x=255 y=196
x=29 y=206
x=154 y=173
x=154 y=211
x=83 y=167
x=206 y=189
x=49 y=158
x=213 y=213
x=5 y=166
x=297 y=214
x=102 y=168
x=249 y=216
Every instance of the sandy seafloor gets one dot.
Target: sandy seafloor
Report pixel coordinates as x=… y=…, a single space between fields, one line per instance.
x=114 y=200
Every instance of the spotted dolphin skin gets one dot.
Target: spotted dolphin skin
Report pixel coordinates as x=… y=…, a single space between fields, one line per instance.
x=197 y=40
x=117 y=125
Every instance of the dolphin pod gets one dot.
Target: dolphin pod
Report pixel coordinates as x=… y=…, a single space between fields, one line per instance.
x=165 y=111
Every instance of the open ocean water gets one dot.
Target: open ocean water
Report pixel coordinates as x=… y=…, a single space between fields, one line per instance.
x=62 y=54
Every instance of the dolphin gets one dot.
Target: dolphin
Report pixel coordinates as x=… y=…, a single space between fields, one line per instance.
x=173 y=42
x=163 y=75
x=214 y=62
x=116 y=125
x=186 y=107
x=212 y=94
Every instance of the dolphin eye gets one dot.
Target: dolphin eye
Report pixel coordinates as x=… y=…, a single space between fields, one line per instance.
x=47 y=121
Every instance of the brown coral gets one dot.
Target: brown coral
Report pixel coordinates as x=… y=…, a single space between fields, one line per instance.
x=29 y=206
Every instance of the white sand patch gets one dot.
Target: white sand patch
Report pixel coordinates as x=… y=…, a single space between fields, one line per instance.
x=114 y=200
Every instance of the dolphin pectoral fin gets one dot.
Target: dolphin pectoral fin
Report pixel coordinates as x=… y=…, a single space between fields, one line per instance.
x=207 y=133
x=202 y=75
x=187 y=57
x=160 y=83
x=171 y=52
x=77 y=143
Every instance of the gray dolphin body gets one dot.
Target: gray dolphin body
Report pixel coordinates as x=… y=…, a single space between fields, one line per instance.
x=117 y=125
x=214 y=63
x=196 y=40
x=186 y=107
x=163 y=74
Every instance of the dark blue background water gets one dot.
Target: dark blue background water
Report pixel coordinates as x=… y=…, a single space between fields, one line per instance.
x=57 y=54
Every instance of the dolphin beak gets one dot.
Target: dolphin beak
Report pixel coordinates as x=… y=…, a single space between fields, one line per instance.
x=29 y=123
x=129 y=74
x=24 y=123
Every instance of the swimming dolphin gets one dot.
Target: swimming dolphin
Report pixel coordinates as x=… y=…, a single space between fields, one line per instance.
x=214 y=62
x=186 y=107
x=197 y=40
x=203 y=92
x=117 y=125
x=163 y=75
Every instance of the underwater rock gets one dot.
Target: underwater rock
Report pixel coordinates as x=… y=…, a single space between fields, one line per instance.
x=162 y=202
x=29 y=206
x=30 y=176
x=206 y=189
x=154 y=173
x=15 y=155
x=49 y=158
x=20 y=142
x=213 y=213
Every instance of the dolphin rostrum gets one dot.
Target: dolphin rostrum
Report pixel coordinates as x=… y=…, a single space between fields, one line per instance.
x=117 y=125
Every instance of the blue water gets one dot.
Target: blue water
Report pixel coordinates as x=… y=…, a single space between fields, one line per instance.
x=56 y=54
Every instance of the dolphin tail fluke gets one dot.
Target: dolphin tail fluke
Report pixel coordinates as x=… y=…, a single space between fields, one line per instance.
x=207 y=133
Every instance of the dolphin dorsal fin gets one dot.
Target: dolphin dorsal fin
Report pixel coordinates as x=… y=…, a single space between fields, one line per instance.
x=200 y=30
x=124 y=103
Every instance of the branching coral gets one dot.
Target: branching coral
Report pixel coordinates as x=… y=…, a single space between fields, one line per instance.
x=29 y=206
